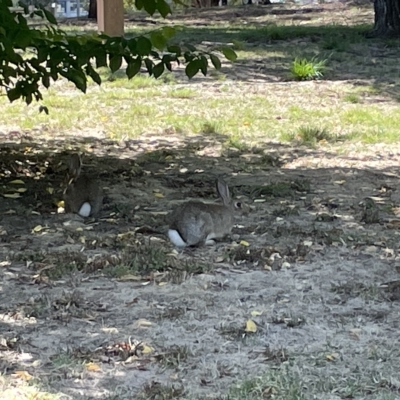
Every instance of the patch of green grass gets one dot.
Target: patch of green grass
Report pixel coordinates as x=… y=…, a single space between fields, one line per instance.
x=282 y=383
x=182 y=93
x=303 y=69
x=352 y=98
x=66 y=363
x=173 y=356
x=309 y=135
x=157 y=391
x=210 y=127
x=140 y=261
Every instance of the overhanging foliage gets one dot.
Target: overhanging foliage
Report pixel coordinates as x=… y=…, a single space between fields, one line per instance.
x=32 y=58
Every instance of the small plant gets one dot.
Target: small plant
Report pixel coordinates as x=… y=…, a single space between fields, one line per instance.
x=303 y=69
x=310 y=135
x=352 y=98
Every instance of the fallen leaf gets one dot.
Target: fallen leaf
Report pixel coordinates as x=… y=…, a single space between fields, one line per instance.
x=162 y=283
x=244 y=243
x=130 y=277
x=10 y=212
x=250 y=326
x=50 y=190
x=22 y=190
x=37 y=228
x=25 y=375
x=92 y=367
x=11 y=195
x=143 y=323
x=158 y=195
x=17 y=182
x=332 y=356
x=355 y=333
x=147 y=349
x=255 y=313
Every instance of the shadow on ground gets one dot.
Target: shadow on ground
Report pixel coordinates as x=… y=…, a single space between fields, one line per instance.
x=94 y=308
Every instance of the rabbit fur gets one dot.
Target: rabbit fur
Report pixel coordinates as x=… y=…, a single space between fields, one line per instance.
x=82 y=195
x=197 y=223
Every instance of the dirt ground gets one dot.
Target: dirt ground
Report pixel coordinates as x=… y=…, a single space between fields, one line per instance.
x=307 y=266
x=305 y=293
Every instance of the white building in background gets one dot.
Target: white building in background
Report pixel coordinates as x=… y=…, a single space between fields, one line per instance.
x=70 y=8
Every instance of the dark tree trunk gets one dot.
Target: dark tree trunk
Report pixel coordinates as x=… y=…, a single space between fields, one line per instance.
x=93 y=9
x=387 y=18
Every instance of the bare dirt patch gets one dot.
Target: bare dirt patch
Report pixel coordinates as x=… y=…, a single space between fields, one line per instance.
x=109 y=308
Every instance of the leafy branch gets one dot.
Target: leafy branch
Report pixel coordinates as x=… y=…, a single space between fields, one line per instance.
x=33 y=58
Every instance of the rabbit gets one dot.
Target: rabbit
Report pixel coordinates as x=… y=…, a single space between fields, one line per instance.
x=197 y=223
x=83 y=195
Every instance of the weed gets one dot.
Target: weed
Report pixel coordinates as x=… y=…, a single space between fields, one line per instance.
x=303 y=69
x=352 y=98
x=282 y=383
x=309 y=135
x=174 y=356
x=156 y=391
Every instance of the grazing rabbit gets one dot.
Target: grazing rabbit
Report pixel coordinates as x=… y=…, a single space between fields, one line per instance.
x=198 y=223
x=82 y=195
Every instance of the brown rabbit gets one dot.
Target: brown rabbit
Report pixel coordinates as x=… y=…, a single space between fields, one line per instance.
x=83 y=195
x=198 y=223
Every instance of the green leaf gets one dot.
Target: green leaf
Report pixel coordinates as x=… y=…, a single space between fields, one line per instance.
x=175 y=49
x=163 y=8
x=158 y=69
x=150 y=6
x=149 y=65
x=49 y=16
x=133 y=68
x=93 y=74
x=101 y=59
x=229 y=53
x=77 y=77
x=23 y=38
x=215 y=61
x=13 y=94
x=46 y=81
x=44 y=109
x=132 y=45
x=190 y=47
x=203 y=63
x=158 y=40
x=139 y=4
x=168 y=32
x=143 y=46
x=192 y=68
x=115 y=62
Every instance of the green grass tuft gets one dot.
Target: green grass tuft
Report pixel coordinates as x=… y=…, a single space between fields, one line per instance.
x=303 y=69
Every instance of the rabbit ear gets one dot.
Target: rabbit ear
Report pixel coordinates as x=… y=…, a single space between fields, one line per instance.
x=223 y=191
x=74 y=165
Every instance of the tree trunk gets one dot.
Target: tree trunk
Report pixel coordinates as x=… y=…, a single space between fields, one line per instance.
x=387 y=18
x=93 y=9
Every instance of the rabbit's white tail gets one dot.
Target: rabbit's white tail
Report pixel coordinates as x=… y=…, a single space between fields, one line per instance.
x=176 y=238
x=85 y=210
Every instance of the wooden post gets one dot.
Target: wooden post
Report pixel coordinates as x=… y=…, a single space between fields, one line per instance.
x=110 y=17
